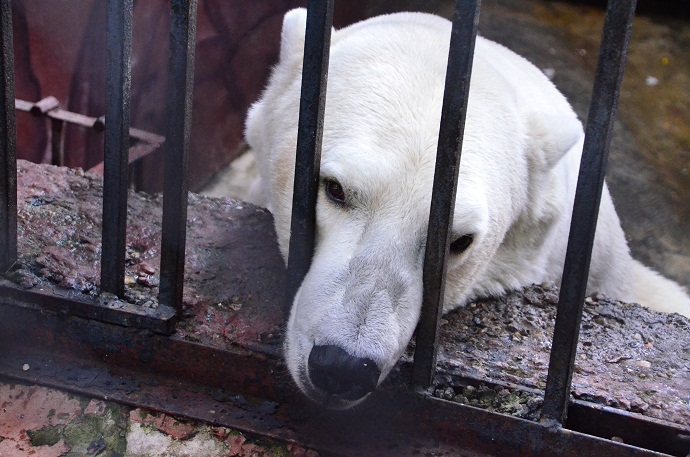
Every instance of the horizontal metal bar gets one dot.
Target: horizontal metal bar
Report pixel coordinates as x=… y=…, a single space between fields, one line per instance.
x=453 y=114
x=116 y=172
x=141 y=150
x=8 y=135
x=308 y=153
x=58 y=114
x=649 y=433
x=148 y=137
x=96 y=123
x=250 y=391
x=22 y=105
x=160 y=320
x=136 y=153
x=178 y=131
x=614 y=46
x=73 y=118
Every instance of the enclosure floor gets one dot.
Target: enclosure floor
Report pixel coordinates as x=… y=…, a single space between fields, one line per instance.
x=42 y=422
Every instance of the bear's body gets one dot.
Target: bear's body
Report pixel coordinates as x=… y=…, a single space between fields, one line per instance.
x=360 y=301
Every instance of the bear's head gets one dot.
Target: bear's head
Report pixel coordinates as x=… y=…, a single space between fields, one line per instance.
x=359 y=304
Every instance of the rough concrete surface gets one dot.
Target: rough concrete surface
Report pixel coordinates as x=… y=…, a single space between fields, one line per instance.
x=629 y=357
x=41 y=422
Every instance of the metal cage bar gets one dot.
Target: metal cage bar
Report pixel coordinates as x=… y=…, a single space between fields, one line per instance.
x=453 y=114
x=308 y=153
x=117 y=109
x=8 y=157
x=612 y=54
x=179 y=108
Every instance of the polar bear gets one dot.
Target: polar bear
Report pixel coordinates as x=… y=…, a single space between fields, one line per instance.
x=358 y=306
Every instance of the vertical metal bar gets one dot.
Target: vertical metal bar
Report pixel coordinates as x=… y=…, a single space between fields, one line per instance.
x=57 y=141
x=8 y=157
x=612 y=54
x=308 y=154
x=179 y=108
x=117 y=98
x=453 y=114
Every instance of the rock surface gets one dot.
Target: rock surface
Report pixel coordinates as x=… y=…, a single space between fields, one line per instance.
x=41 y=422
x=629 y=357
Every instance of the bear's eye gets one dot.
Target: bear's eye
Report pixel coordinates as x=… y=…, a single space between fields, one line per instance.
x=461 y=244
x=335 y=191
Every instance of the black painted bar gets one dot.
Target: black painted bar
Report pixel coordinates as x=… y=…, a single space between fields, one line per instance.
x=308 y=154
x=8 y=137
x=115 y=175
x=456 y=94
x=179 y=108
x=615 y=38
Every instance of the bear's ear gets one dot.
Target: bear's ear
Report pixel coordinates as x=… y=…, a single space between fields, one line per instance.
x=551 y=137
x=292 y=36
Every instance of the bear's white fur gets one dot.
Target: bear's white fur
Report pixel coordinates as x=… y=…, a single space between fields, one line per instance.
x=520 y=158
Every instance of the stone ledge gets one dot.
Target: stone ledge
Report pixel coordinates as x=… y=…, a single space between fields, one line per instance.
x=629 y=357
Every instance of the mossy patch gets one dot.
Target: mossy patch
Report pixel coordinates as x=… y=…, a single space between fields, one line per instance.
x=278 y=451
x=105 y=434
x=514 y=402
x=47 y=436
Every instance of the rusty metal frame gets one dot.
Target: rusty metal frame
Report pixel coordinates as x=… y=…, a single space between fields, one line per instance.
x=103 y=309
x=169 y=374
x=142 y=143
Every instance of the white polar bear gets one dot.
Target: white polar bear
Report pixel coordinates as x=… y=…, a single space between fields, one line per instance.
x=358 y=306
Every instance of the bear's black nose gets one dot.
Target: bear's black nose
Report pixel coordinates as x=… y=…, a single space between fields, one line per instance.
x=336 y=372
